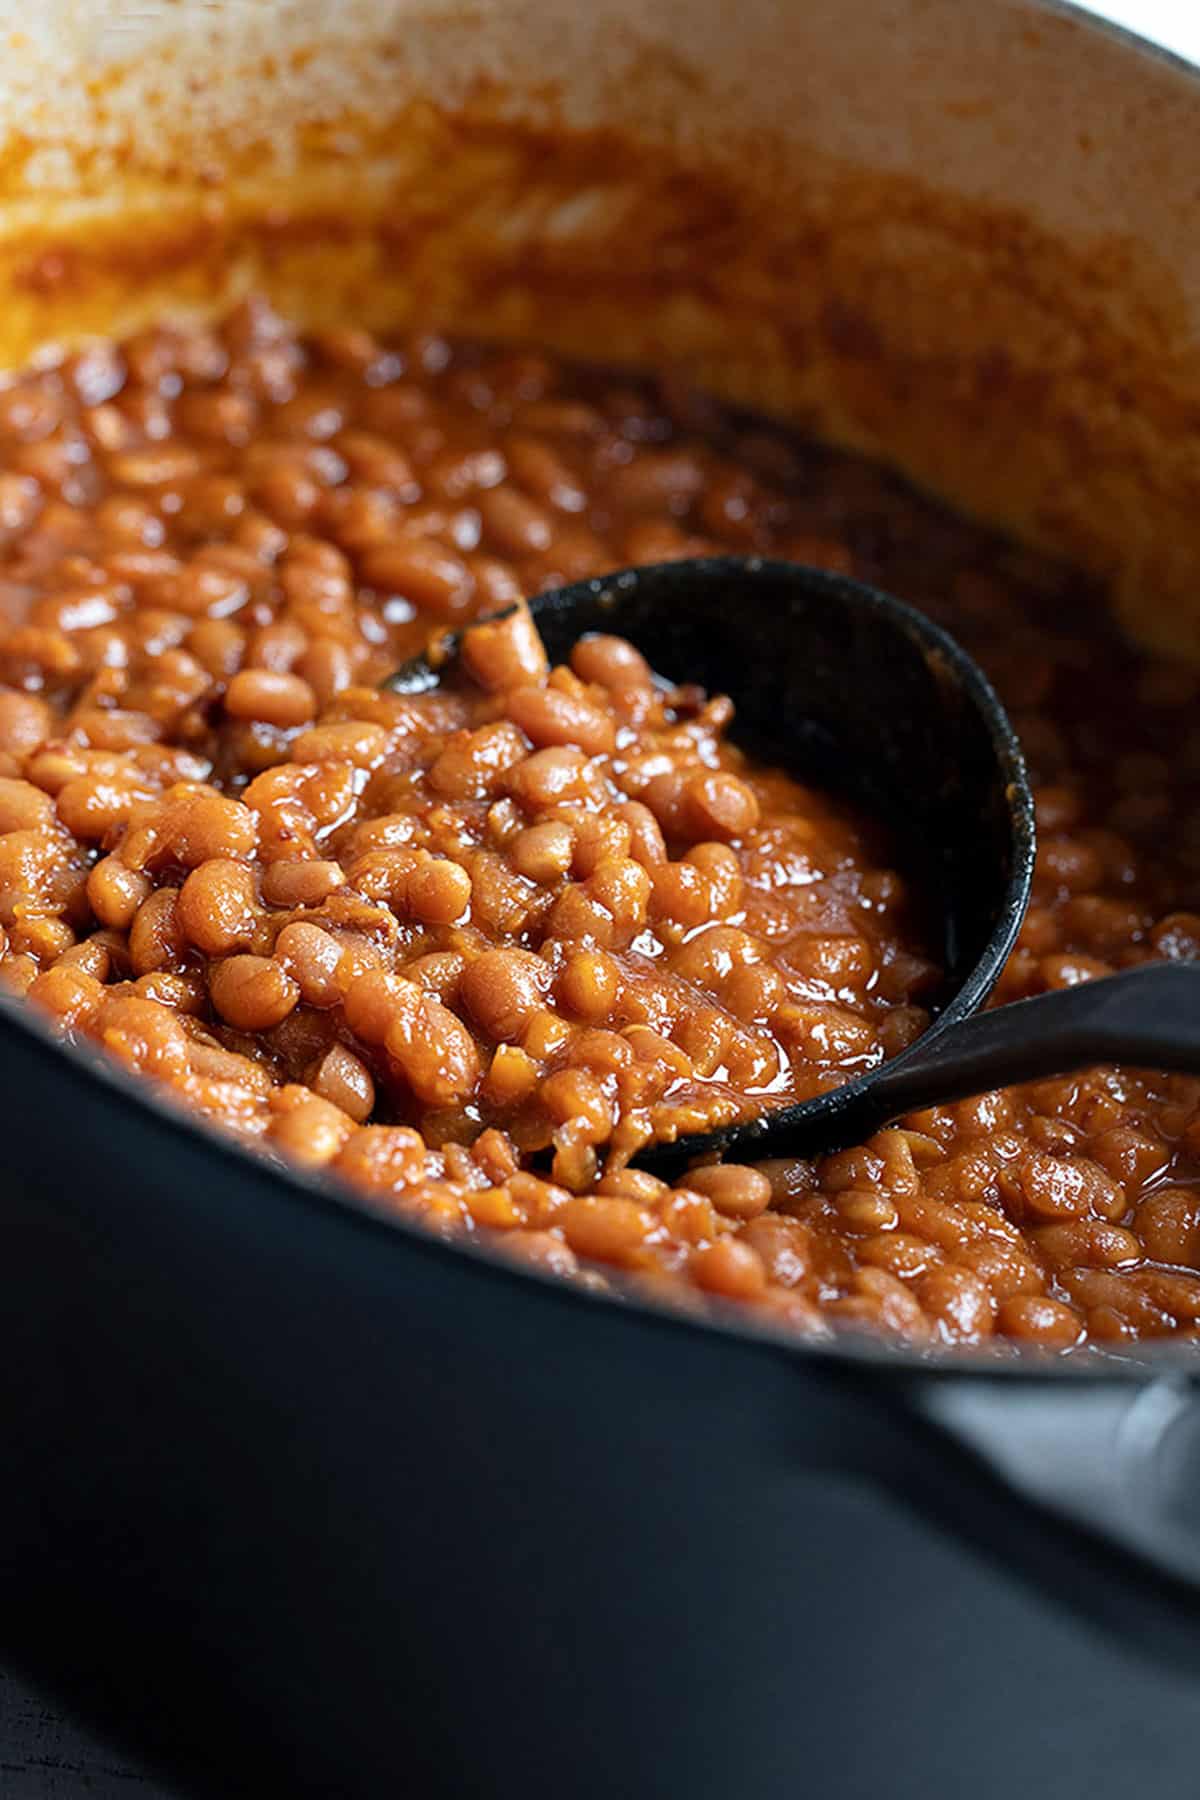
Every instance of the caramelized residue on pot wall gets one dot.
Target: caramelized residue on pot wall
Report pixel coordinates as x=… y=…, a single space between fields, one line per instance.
x=1034 y=384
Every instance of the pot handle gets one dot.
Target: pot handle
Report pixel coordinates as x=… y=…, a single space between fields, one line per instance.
x=1089 y=1488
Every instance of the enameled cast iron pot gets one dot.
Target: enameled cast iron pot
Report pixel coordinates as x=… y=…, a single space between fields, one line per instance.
x=309 y=1503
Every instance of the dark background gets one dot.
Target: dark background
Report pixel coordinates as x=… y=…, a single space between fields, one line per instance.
x=43 y=1757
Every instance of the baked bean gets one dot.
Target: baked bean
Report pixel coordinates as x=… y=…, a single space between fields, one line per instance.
x=959 y=1303
x=312 y=957
x=25 y=722
x=578 y=1098
x=440 y=973
x=605 y=1230
x=92 y=955
x=495 y=581
x=414 y=883
x=900 y=1253
x=360 y=743
x=1070 y=968
x=622 y=887
x=18 y=972
x=156 y=938
x=1087 y=1242
x=40 y=935
x=23 y=807
x=656 y=479
x=588 y=985
x=143 y=1034
x=645 y=927
x=719 y=805
x=193 y=828
x=645 y=837
x=292 y=884
x=503 y=988
x=549 y=777
x=543 y=853
x=730 y=1269
x=344 y=1079
x=218 y=645
x=431 y=577
x=543 y=473
x=252 y=993
x=548 y=717
x=595 y=839
x=505 y=653
x=309 y=1127
x=69 y=993
x=610 y=662
x=455 y=475
x=514 y=524
x=786 y=1247
x=274 y=698
x=736 y=1191
x=327 y=667
x=512 y=1076
x=1009 y=1269
x=218 y=907
x=705 y=1036
x=1057 y=1187
x=879 y=1301
x=115 y=893
x=92 y=807
x=474 y=764
x=542 y=1251
x=384 y=1158
x=429 y=1046
x=1036 y=1319
x=679 y=895
x=1167 y=1225
x=840 y=959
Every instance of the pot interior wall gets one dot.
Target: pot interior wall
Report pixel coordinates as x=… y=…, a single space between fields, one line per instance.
x=956 y=237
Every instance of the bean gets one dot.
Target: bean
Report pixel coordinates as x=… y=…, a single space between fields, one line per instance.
x=737 y=1192
x=543 y=853
x=344 y=1079
x=610 y=662
x=252 y=993
x=503 y=988
x=115 y=893
x=729 y=1269
x=514 y=524
x=431 y=577
x=273 y=698
x=1035 y=1318
x=312 y=957
x=605 y=1230
x=156 y=938
x=309 y=1127
x=548 y=717
x=218 y=907
x=505 y=653
x=589 y=984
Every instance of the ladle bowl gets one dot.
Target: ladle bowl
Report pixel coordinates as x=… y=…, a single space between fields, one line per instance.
x=861 y=695
x=851 y=690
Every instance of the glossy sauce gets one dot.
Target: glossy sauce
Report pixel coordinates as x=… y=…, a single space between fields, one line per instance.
x=467 y=949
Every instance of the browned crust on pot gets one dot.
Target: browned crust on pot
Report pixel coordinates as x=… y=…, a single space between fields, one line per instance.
x=1049 y=387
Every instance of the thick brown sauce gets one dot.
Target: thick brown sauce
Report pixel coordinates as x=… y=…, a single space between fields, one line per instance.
x=423 y=941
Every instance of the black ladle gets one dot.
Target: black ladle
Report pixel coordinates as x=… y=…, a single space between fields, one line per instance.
x=857 y=693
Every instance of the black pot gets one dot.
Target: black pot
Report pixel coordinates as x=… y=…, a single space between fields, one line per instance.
x=298 y=1493
x=304 y=1502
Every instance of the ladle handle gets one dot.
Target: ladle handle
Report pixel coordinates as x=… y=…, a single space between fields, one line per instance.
x=1148 y=1016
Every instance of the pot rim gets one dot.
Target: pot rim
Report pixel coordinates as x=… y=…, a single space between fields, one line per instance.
x=1082 y=16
